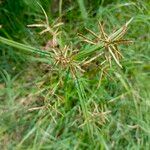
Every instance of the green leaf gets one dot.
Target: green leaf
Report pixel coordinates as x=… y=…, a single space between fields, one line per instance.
x=23 y=47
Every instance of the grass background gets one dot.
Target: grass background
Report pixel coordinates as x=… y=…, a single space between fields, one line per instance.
x=119 y=108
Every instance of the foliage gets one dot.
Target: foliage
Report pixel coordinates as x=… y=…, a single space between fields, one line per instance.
x=68 y=77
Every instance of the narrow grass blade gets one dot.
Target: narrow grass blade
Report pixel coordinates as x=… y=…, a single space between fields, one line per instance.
x=82 y=9
x=82 y=98
x=23 y=47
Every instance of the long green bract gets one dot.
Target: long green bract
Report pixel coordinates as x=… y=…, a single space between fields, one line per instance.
x=87 y=52
x=24 y=47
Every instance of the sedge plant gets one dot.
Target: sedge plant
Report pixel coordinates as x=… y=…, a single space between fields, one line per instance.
x=65 y=104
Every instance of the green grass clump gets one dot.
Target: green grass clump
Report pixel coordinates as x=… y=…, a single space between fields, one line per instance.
x=74 y=76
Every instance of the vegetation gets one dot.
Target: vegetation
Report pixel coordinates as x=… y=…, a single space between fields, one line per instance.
x=74 y=74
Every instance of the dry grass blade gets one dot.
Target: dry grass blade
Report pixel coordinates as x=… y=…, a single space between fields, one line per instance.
x=94 y=34
x=36 y=108
x=85 y=39
x=36 y=25
x=102 y=32
x=113 y=55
